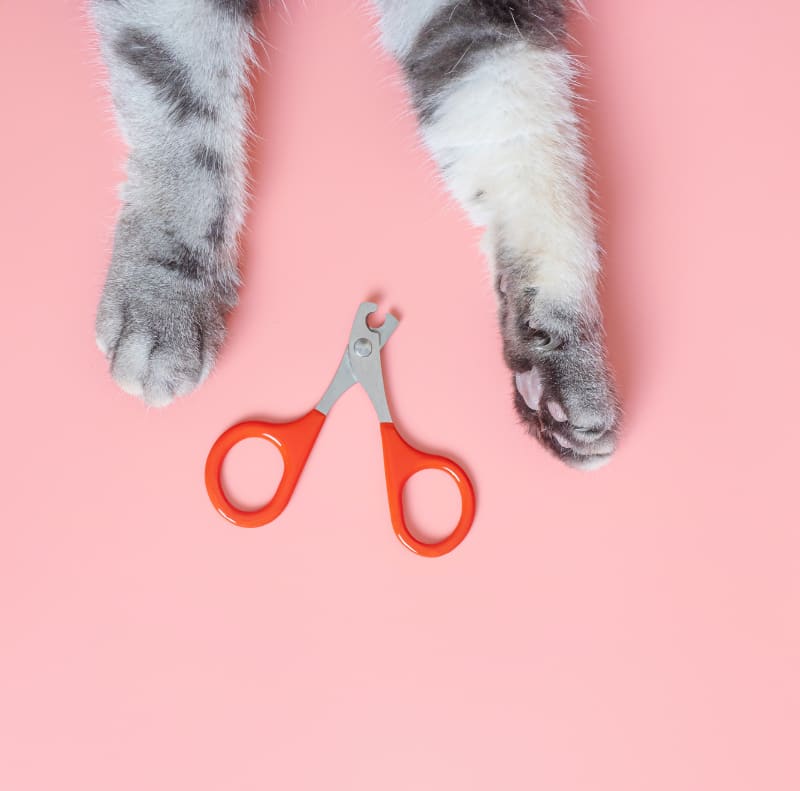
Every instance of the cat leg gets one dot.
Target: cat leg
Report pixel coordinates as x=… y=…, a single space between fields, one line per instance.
x=492 y=85
x=178 y=73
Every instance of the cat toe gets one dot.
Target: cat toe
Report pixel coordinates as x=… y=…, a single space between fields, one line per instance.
x=567 y=418
x=158 y=350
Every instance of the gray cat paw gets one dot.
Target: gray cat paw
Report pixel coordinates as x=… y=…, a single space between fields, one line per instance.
x=159 y=348
x=563 y=389
x=160 y=322
x=565 y=399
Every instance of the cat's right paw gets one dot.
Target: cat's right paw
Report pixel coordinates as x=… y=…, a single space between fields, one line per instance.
x=160 y=322
x=563 y=389
x=565 y=398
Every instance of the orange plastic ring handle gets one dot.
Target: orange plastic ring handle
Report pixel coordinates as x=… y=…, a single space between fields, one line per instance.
x=294 y=441
x=401 y=461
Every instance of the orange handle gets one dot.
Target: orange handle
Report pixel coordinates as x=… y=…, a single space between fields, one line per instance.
x=294 y=440
x=401 y=461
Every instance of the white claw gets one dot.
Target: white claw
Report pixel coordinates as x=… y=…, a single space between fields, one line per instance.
x=530 y=387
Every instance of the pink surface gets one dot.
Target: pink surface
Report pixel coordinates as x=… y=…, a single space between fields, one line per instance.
x=634 y=628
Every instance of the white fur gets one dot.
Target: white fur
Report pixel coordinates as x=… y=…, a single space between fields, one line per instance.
x=401 y=21
x=507 y=135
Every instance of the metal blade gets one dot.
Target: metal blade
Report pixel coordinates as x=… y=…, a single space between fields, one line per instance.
x=342 y=381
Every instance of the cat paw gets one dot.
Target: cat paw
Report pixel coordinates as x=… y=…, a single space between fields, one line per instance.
x=565 y=399
x=160 y=322
x=159 y=347
x=563 y=389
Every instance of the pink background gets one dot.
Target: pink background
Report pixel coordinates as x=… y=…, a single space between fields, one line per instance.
x=634 y=628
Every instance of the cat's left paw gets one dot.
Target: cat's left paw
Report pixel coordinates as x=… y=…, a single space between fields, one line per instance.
x=160 y=344
x=161 y=318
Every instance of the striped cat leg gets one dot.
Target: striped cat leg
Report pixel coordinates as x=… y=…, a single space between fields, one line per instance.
x=491 y=82
x=178 y=74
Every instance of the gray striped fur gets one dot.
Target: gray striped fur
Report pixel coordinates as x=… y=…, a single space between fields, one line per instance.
x=178 y=74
